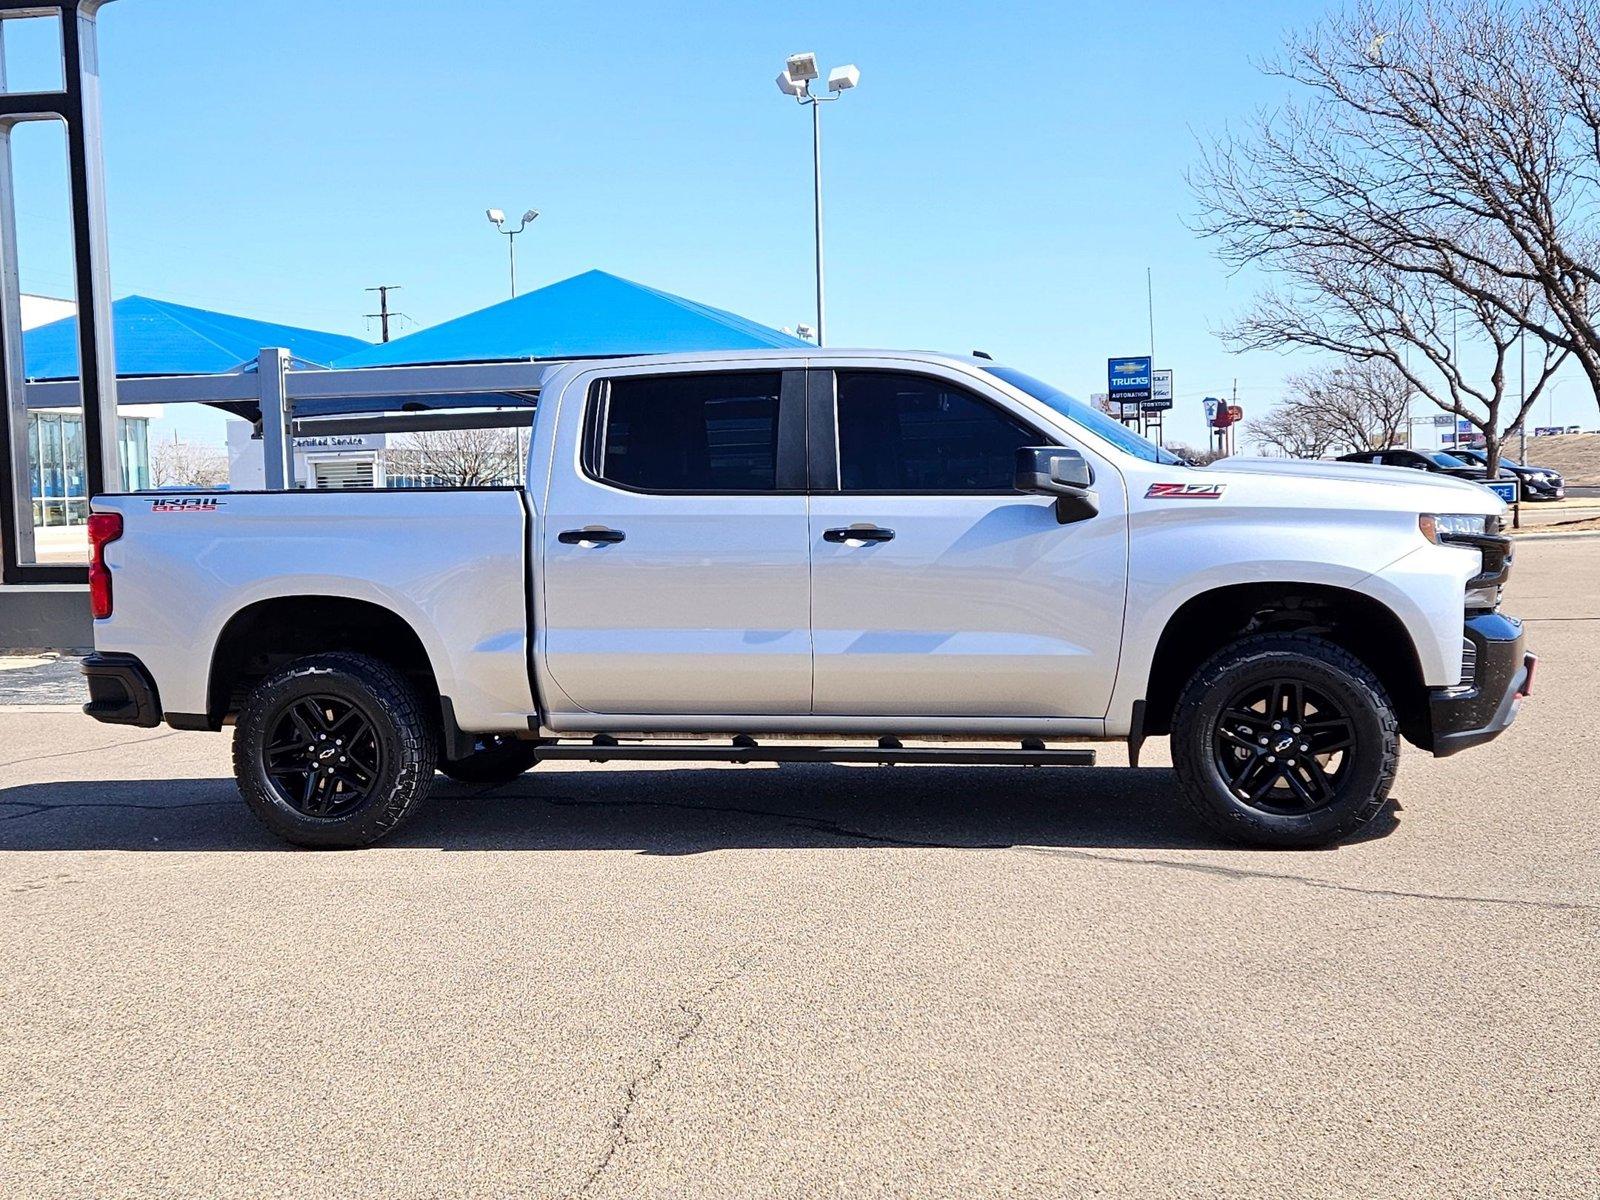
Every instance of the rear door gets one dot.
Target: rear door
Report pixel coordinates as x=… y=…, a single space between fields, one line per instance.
x=937 y=589
x=674 y=545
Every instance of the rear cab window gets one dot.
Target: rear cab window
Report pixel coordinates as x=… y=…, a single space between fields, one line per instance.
x=708 y=433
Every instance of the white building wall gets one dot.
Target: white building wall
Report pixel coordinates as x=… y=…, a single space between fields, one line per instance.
x=247 y=469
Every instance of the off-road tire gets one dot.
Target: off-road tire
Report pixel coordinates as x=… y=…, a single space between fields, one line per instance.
x=499 y=760
x=397 y=716
x=1263 y=658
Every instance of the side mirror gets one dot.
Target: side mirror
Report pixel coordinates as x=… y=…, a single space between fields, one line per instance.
x=1059 y=472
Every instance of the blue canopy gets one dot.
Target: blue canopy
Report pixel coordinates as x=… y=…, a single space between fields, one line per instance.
x=593 y=315
x=154 y=337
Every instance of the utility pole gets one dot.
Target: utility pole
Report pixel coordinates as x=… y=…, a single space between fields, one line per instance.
x=1232 y=445
x=383 y=314
x=1522 y=425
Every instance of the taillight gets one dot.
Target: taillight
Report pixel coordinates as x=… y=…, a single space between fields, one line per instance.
x=104 y=528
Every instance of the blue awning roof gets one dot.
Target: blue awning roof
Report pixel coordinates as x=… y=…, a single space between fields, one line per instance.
x=154 y=337
x=593 y=315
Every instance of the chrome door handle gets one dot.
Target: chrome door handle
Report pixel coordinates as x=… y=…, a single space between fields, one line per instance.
x=858 y=533
x=590 y=537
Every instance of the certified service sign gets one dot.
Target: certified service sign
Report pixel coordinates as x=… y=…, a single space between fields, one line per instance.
x=1128 y=379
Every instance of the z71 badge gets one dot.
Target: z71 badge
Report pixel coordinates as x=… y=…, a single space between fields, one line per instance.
x=185 y=504
x=1185 y=491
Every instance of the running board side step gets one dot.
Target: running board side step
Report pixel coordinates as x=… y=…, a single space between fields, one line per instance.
x=748 y=751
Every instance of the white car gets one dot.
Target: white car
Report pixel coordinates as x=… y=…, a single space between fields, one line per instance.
x=818 y=555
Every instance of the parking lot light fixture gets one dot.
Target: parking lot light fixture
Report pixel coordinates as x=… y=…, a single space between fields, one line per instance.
x=497 y=218
x=795 y=80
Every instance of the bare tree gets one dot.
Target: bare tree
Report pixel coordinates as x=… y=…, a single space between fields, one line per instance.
x=458 y=457
x=1444 y=156
x=1338 y=300
x=1365 y=403
x=185 y=464
x=1195 y=455
x=1296 y=430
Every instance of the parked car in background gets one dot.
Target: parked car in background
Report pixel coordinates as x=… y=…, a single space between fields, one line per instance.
x=1439 y=462
x=1536 y=483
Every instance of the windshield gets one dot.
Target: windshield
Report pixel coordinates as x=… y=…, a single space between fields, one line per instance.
x=1482 y=459
x=1440 y=459
x=1092 y=419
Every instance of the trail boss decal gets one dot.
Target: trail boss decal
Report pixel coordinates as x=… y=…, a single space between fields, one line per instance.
x=185 y=504
x=1185 y=491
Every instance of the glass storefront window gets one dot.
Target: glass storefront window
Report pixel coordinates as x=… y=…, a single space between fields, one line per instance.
x=34 y=486
x=52 y=478
x=133 y=441
x=59 y=473
x=74 y=471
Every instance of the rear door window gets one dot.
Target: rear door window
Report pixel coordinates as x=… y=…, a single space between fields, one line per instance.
x=705 y=433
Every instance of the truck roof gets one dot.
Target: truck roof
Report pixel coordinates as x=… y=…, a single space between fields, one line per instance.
x=784 y=352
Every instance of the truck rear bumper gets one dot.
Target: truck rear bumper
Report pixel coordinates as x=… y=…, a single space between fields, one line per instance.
x=121 y=691
x=1483 y=707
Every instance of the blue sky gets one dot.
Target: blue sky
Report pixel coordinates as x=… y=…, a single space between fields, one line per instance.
x=1000 y=180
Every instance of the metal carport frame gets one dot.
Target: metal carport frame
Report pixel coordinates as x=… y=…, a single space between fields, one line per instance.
x=77 y=106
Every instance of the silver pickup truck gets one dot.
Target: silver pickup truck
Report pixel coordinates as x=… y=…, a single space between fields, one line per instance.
x=853 y=556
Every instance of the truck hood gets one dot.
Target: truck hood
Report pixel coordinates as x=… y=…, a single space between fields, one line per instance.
x=1402 y=486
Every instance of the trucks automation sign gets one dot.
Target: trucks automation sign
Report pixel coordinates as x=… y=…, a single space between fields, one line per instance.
x=1128 y=380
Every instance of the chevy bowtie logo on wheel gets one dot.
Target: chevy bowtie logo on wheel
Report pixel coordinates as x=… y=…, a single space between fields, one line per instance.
x=1185 y=491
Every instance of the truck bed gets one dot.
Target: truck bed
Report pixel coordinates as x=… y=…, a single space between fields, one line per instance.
x=453 y=563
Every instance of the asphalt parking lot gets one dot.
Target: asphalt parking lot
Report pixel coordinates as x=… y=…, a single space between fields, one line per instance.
x=809 y=981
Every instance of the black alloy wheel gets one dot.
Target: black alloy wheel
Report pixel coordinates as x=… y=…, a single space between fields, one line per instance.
x=1285 y=740
x=323 y=756
x=335 y=750
x=1283 y=747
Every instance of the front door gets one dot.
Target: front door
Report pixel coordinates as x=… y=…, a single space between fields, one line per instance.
x=674 y=559
x=938 y=589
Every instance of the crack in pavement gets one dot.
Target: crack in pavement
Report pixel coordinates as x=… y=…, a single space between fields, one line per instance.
x=92 y=750
x=1311 y=881
x=694 y=1017
x=39 y=885
x=797 y=820
x=822 y=825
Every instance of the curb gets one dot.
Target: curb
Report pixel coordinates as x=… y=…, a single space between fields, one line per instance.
x=1576 y=536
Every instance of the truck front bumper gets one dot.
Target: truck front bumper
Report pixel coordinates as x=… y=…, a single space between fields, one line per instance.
x=1486 y=702
x=121 y=691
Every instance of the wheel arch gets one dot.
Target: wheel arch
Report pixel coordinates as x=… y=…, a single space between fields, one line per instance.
x=1212 y=619
x=262 y=636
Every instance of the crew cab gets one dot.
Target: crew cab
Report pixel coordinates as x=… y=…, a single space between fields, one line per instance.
x=850 y=556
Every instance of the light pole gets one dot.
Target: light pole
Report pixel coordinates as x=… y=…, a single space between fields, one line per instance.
x=795 y=80
x=498 y=220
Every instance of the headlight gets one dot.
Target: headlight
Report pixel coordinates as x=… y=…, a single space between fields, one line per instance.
x=1437 y=527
